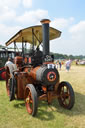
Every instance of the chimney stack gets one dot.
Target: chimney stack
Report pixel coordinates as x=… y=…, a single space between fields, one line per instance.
x=45 y=31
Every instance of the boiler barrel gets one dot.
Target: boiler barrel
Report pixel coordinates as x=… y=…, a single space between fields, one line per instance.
x=46 y=76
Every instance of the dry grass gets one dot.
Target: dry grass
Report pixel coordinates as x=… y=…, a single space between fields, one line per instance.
x=14 y=115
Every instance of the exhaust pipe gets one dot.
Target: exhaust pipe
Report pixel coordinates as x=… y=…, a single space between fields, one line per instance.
x=45 y=30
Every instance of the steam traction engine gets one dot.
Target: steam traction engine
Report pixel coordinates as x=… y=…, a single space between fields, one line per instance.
x=33 y=76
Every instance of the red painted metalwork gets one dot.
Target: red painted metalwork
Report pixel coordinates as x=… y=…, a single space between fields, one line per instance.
x=18 y=60
x=2 y=74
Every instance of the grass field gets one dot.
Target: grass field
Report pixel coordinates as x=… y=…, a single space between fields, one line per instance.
x=14 y=115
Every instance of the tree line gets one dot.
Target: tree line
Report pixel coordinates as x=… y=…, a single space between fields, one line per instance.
x=64 y=56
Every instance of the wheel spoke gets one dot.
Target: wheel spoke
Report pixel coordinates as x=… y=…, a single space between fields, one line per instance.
x=31 y=101
x=63 y=89
x=65 y=102
x=68 y=91
x=63 y=99
x=29 y=108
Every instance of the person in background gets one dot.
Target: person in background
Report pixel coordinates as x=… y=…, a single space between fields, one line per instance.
x=10 y=81
x=8 y=62
x=60 y=65
x=57 y=64
x=68 y=64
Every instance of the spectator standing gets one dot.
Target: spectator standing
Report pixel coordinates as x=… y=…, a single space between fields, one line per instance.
x=68 y=65
x=60 y=65
x=57 y=63
x=8 y=62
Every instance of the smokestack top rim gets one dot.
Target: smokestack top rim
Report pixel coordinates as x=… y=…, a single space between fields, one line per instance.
x=45 y=21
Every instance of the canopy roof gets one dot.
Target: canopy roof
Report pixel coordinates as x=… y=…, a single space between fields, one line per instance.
x=26 y=35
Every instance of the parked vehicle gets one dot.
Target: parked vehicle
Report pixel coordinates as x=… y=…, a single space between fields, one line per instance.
x=4 y=55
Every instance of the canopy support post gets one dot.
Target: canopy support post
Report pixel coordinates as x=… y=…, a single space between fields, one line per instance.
x=14 y=48
x=25 y=47
x=33 y=38
x=22 y=47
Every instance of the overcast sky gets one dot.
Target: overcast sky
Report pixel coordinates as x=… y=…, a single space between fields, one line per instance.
x=66 y=15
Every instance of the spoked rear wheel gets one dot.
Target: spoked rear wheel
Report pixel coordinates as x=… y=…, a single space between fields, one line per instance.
x=66 y=95
x=31 y=100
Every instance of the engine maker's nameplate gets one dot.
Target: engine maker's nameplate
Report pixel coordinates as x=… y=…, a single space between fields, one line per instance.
x=52 y=66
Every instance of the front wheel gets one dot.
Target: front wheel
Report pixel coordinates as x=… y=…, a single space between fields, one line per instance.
x=31 y=99
x=66 y=95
